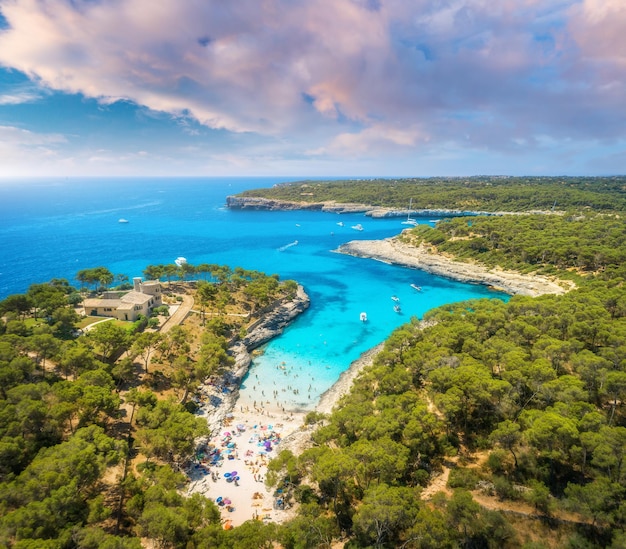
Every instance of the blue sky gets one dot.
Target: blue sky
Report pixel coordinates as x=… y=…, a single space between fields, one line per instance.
x=312 y=88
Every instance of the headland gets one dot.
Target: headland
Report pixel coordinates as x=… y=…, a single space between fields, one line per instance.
x=396 y=252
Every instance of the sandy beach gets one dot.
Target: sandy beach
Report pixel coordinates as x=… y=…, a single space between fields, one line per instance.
x=232 y=464
x=245 y=437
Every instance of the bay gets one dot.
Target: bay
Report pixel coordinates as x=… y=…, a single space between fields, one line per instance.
x=56 y=227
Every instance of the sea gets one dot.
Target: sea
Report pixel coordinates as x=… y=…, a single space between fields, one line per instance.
x=53 y=228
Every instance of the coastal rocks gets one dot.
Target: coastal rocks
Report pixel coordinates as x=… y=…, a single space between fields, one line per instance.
x=259 y=203
x=395 y=252
x=271 y=325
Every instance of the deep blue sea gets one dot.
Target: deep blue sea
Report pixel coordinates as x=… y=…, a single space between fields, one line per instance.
x=56 y=227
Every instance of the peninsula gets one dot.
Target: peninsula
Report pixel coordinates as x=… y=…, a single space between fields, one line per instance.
x=397 y=252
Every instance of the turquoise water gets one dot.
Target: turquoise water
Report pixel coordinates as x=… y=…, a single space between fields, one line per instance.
x=54 y=228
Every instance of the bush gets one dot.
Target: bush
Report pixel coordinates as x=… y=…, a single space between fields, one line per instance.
x=463 y=478
x=504 y=489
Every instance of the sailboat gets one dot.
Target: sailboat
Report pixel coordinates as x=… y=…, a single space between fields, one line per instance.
x=410 y=221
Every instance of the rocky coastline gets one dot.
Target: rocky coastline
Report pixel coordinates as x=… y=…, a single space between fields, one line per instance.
x=260 y=203
x=396 y=252
x=269 y=326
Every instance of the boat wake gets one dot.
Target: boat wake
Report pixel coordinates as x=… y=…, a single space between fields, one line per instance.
x=287 y=246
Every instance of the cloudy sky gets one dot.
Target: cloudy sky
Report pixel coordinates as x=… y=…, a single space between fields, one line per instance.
x=312 y=87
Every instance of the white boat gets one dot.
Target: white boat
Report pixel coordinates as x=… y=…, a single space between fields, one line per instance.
x=395 y=298
x=416 y=287
x=397 y=308
x=409 y=221
x=363 y=317
x=180 y=261
x=340 y=223
x=122 y=220
x=357 y=227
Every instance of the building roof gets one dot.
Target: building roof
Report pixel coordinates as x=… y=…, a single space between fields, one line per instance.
x=98 y=302
x=136 y=298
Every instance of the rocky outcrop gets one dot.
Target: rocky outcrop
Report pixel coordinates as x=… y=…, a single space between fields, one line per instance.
x=269 y=326
x=260 y=203
x=394 y=251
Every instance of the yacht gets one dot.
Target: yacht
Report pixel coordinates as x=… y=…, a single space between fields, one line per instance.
x=357 y=227
x=410 y=221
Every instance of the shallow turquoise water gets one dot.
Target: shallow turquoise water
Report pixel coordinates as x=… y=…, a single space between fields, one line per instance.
x=54 y=228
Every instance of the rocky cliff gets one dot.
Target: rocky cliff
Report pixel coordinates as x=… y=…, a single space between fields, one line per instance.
x=271 y=325
x=259 y=203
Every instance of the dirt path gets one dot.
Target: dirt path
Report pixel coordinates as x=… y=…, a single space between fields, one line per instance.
x=179 y=315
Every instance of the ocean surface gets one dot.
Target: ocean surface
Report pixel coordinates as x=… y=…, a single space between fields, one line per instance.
x=56 y=227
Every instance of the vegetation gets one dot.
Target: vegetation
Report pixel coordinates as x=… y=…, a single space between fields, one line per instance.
x=96 y=428
x=547 y=244
x=520 y=404
x=481 y=193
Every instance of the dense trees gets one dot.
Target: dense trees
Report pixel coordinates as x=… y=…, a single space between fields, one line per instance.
x=523 y=400
x=75 y=410
x=544 y=243
x=480 y=193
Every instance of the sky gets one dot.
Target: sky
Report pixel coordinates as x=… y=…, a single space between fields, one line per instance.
x=312 y=87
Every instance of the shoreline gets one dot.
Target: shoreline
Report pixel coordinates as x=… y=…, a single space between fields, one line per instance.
x=240 y=430
x=248 y=434
x=394 y=252
x=236 y=202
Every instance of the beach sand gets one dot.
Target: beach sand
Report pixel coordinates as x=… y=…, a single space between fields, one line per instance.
x=240 y=430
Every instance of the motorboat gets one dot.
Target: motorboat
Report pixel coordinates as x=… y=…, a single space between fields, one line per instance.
x=363 y=317
x=357 y=227
x=122 y=220
x=397 y=308
x=395 y=298
x=340 y=223
x=416 y=287
x=180 y=261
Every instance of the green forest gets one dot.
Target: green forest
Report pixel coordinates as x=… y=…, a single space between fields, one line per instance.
x=480 y=193
x=485 y=424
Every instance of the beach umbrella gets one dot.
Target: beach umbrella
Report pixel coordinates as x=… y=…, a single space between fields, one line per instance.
x=234 y=473
x=227 y=501
x=227 y=434
x=241 y=427
x=219 y=499
x=226 y=475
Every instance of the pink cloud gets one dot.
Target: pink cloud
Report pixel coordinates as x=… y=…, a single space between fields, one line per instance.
x=338 y=75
